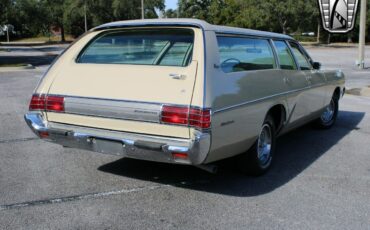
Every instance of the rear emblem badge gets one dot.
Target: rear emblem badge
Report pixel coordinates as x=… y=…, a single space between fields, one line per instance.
x=338 y=16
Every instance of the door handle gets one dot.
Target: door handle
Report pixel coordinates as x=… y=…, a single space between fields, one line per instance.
x=309 y=78
x=177 y=76
x=286 y=80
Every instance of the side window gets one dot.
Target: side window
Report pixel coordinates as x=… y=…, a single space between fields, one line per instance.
x=286 y=59
x=243 y=54
x=177 y=54
x=300 y=56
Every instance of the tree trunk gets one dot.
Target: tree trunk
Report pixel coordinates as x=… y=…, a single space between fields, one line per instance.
x=285 y=30
x=318 y=32
x=62 y=35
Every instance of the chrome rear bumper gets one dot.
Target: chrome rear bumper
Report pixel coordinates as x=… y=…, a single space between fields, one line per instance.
x=138 y=146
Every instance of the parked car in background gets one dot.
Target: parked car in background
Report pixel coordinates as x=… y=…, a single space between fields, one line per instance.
x=311 y=34
x=182 y=91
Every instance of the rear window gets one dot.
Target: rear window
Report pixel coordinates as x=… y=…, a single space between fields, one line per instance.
x=243 y=54
x=164 y=47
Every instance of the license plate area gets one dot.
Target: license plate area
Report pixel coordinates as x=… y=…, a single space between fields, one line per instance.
x=108 y=146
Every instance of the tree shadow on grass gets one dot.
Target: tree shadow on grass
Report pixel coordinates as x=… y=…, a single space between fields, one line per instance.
x=296 y=151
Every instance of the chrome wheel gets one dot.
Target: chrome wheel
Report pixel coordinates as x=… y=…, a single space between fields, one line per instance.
x=264 y=145
x=258 y=159
x=328 y=114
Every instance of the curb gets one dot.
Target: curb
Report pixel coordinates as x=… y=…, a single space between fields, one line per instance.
x=6 y=69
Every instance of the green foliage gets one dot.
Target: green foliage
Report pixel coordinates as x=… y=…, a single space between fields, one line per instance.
x=35 y=17
x=275 y=15
x=195 y=9
x=170 y=13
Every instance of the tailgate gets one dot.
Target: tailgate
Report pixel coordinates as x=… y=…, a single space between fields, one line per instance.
x=124 y=90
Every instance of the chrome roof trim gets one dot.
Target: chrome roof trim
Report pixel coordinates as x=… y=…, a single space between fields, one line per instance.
x=192 y=23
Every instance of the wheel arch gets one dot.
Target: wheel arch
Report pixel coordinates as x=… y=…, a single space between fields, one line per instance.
x=278 y=112
x=337 y=92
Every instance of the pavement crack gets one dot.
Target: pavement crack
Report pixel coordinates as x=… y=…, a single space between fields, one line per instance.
x=78 y=197
x=91 y=196
x=19 y=140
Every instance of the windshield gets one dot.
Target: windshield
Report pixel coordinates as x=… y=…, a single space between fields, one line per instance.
x=166 y=47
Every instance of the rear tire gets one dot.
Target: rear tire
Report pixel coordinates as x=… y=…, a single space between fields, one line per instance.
x=258 y=159
x=329 y=116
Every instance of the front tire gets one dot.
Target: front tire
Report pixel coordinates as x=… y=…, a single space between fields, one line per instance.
x=330 y=114
x=258 y=159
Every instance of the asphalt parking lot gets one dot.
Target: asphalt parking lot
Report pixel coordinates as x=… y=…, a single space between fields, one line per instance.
x=320 y=179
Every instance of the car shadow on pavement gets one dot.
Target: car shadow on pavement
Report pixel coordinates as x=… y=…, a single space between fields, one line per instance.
x=296 y=151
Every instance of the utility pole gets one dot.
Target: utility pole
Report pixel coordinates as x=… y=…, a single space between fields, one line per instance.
x=7 y=33
x=361 y=61
x=142 y=9
x=7 y=25
x=85 y=17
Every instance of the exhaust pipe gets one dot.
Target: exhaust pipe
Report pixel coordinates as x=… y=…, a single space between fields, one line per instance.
x=209 y=168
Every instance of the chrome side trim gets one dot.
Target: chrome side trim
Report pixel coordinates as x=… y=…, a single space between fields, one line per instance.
x=145 y=24
x=265 y=35
x=113 y=109
x=205 y=69
x=106 y=99
x=258 y=100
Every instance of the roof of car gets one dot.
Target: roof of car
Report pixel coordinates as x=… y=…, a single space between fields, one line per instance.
x=190 y=22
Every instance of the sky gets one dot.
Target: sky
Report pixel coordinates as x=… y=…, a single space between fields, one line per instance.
x=171 y=4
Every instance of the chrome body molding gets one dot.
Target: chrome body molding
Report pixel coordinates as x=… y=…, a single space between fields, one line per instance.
x=264 y=98
x=131 y=145
x=127 y=110
x=258 y=100
x=187 y=23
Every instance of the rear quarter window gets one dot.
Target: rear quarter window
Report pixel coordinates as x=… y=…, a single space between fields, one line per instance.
x=245 y=54
x=163 y=47
x=286 y=59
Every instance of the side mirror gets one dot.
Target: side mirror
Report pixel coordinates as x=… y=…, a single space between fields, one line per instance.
x=316 y=65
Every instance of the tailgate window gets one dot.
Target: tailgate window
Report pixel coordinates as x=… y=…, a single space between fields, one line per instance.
x=165 y=47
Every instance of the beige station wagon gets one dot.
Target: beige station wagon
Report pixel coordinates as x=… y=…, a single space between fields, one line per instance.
x=182 y=91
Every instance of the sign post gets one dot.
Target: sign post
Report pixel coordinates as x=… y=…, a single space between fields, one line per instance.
x=142 y=9
x=7 y=32
x=361 y=61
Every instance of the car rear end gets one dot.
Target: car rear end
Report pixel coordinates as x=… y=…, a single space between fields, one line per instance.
x=134 y=91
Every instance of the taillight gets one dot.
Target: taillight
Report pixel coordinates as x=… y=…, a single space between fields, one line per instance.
x=175 y=115
x=194 y=117
x=55 y=104
x=200 y=118
x=37 y=102
x=47 y=103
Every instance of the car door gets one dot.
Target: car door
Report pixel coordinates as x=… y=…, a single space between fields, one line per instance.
x=295 y=82
x=315 y=78
x=244 y=85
